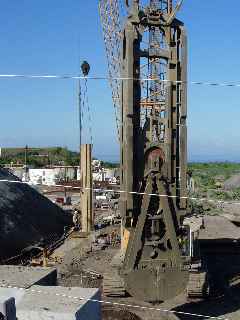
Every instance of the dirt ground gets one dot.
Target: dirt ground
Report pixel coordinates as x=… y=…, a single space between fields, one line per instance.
x=83 y=267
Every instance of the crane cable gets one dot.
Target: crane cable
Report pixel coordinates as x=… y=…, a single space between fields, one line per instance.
x=80 y=113
x=88 y=110
x=83 y=103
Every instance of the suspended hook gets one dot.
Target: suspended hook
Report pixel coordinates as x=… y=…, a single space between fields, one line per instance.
x=85 y=68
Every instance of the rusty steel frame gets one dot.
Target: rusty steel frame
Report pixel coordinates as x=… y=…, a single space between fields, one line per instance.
x=151 y=124
x=153 y=150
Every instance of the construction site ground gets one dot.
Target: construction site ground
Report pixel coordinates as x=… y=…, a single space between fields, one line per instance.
x=81 y=264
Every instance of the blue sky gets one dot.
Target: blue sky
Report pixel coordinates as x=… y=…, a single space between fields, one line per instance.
x=50 y=37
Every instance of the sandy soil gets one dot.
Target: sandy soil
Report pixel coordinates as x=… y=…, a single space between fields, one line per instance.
x=79 y=261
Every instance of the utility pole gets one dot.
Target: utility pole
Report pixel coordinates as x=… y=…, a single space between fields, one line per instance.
x=86 y=188
x=26 y=156
x=25 y=176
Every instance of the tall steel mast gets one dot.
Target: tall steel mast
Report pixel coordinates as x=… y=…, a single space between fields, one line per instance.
x=149 y=52
x=153 y=149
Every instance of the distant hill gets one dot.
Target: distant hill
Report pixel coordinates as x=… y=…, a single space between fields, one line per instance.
x=39 y=157
x=6 y=152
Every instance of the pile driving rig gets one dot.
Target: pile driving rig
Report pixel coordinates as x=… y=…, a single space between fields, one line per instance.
x=153 y=138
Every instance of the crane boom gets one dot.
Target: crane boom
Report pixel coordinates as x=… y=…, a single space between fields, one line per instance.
x=112 y=35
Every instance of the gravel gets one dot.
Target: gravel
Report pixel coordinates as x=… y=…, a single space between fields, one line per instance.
x=232 y=183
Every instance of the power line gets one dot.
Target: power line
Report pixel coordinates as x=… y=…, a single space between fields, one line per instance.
x=130 y=192
x=75 y=77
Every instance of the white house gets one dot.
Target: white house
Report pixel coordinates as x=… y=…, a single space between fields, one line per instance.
x=44 y=176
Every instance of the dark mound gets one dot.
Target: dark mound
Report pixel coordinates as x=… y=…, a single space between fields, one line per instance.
x=118 y=314
x=26 y=217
